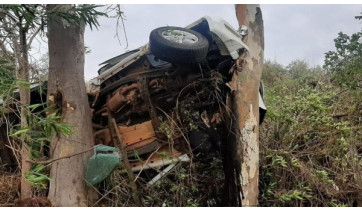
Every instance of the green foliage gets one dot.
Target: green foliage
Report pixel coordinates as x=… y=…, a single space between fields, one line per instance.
x=279 y=160
x=193 y=126
x=7 y=81
x=36 y=137
x=38 y=176
x=86 y=13
x=294 y=195
x=310 y=139
x=323 y=176
x=26 y=21
x=40 y=129
x=167 y=128
x=334 y=203
x=164 y=155
x=32 y=15
x=345 y=63
x=6 y=74
x=273 y=73
x=23 y=84
x=297 y=69
x=35 y=15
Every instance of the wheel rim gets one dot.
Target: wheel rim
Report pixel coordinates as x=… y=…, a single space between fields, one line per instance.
x=179 y=36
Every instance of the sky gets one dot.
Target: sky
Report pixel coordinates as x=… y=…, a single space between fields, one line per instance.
x=291 y=32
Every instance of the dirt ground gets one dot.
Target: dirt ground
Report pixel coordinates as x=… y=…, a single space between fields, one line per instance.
x=9 y=188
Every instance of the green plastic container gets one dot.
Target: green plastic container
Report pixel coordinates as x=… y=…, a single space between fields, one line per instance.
x=102 y=163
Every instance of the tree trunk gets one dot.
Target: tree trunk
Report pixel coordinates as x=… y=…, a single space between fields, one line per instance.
x=66 y=90
x=246 y=108
x=26 y=190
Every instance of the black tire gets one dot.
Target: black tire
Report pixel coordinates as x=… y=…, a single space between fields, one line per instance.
x=175 y=52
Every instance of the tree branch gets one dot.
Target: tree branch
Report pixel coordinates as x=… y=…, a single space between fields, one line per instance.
x=60 y=158
x=33 y=36
x=126 y=164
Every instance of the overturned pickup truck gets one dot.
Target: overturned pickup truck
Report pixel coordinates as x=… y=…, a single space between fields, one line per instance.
x=171 y=94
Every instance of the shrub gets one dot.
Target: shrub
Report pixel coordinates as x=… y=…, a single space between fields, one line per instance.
x=310 y=142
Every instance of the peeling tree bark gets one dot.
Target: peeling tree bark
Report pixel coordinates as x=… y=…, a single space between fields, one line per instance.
x=246 y=107
x=66 y=90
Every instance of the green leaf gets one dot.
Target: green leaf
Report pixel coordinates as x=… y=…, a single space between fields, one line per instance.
x=23 y=84
x=36 y=105
x=22 y=131
x=137 y=155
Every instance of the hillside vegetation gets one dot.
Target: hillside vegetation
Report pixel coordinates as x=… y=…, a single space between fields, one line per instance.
x=311 y=141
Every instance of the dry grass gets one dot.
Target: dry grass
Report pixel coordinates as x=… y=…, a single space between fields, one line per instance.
x=184 y=186
x=9 y=188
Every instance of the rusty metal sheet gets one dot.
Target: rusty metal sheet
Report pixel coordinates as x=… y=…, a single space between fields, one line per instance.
x=134 y=137
x=136 y=133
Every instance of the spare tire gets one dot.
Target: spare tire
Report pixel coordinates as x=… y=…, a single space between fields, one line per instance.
x=178 y=45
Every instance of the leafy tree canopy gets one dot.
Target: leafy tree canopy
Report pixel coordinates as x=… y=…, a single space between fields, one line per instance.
x=345 y=63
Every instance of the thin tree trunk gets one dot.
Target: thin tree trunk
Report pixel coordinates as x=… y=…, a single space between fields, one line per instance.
x=246 y=106
x=66 y=90
x=23 y=75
